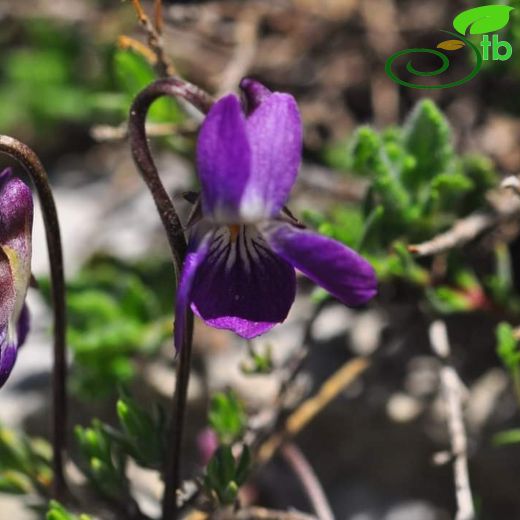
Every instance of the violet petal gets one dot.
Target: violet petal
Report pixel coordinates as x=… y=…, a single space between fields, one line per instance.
x=242 y=285
x=330 y=264
x=223 y=160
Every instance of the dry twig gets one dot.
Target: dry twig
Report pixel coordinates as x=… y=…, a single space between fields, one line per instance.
x=452 y=390
x=260 y=513
x=310 y=408
x=467 y=229
x=461 y=233
x=163 y=65
x=102 y=133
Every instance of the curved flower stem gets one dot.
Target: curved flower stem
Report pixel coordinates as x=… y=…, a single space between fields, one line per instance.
x=29 y=160
x=174 y=87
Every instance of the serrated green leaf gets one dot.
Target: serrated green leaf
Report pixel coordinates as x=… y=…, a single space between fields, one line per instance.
x=427 y=137
x=482 y=20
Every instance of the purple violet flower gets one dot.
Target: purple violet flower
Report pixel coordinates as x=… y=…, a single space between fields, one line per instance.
x=16 y=217
x=239 y=272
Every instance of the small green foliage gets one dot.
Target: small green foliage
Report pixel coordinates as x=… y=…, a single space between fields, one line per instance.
x=464 y=295
x=258 y=362
x=418 y=187
x=427 y=138
x=225 y=475
x=133 y=73
x=113 y=316
x=43 y=80
x=509 y=354
x=143 y=435
x=25 y=464
x=227 y=417
x=105 y=461
x=507 y=346
x=507 y=437
x=58 y=512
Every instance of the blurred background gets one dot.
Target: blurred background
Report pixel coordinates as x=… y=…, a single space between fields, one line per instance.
x=384 y=167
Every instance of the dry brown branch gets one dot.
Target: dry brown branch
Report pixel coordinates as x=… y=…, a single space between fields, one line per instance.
x=309 y=481
x=513 y=183
x=163 y=65
x=310 y=408
x=461 y=233
x=260 y=513
x=125 y=42
x=158 y=15
x=505 y=208
x=452 y=391
x=102 y=133
x=250 y=513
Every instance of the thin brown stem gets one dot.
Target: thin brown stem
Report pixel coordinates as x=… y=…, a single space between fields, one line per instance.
x=309 y=481
x=29 y=160
x=164 y=66
x=174 y=87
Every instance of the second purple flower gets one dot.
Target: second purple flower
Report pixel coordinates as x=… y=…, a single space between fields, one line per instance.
x=16 y=216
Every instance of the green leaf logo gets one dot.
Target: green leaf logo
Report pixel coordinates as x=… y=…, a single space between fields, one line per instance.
x=482 y=20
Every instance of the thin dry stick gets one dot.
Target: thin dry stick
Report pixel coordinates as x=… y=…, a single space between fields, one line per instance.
x=163 y=66
x=125 y=42
x=452 y=391
x=461 y=233
x=308 y=410
x=513 y=183
x=303 y=470
x=30 y=161
x=260 y=513
x=103 y=133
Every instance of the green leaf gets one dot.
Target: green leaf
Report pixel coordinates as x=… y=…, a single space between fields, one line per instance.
x=134 y=73
x=507 y=437
x=224 y=475
x=482 y=20
x=427 y=137
x=364 y=150
x=15 y=483
x=244 y=466
x=507 y=346
x=58 y=512
x=227 y=416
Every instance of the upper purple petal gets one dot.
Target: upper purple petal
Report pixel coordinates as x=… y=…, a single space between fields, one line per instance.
x=241 y=285
x=275 y=136
x=16 y=217
x=223 y=160
x=16 y=209
x=333 y=266
x=254 y=93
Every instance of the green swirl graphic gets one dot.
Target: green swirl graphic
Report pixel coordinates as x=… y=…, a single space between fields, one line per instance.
x=445 y=65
